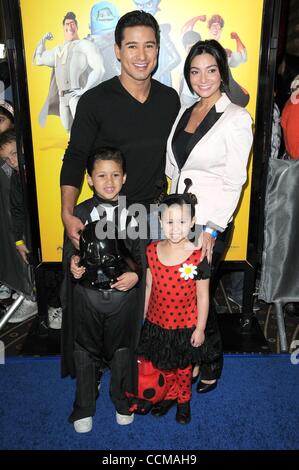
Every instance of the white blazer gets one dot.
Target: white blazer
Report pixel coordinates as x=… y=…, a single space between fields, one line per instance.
x=217 y=164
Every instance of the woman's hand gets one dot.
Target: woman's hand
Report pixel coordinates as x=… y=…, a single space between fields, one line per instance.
x=76 y=271
x=125 y=282
x=197 y=338
x=207 y=242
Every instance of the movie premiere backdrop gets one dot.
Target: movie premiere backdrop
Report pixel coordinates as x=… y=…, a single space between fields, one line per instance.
x=236 y=24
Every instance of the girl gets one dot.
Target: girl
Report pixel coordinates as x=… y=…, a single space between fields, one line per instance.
x=176 y=304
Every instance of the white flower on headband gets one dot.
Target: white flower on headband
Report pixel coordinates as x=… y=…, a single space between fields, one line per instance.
x=188 y=271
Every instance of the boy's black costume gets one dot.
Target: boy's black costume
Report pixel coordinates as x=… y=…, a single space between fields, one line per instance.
x=100 y=325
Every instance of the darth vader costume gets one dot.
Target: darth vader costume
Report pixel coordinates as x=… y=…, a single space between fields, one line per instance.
x=101 y=325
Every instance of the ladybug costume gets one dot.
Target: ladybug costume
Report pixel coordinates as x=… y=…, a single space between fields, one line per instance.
x=171 y=320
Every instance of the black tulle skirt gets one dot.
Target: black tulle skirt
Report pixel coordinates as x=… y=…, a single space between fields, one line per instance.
x=172 y=349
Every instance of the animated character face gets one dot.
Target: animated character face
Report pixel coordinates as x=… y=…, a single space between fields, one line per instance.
x=70 y=30
x=150 y=6
x=103 y=17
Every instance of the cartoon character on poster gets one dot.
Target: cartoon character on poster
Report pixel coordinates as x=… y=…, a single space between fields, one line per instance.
x=169 y=57
x=235 y=58
x=76 y=66
x=103 y=20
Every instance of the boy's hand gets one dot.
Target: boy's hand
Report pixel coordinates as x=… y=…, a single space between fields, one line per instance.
x=125 y=282
x=76 y=271
x=197 y=338
x=23 y=251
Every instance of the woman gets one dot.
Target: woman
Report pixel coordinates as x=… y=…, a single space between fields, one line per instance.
x=210 y=144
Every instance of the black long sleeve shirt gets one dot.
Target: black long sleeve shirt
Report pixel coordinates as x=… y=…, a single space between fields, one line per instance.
x=108 y=115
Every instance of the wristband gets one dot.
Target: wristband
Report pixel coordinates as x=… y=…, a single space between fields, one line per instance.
x=209 y=230
x=20 y=242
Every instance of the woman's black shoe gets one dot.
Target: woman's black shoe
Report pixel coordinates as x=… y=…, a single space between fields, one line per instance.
x=183 y=414
x=205 y=388
x=160 y=409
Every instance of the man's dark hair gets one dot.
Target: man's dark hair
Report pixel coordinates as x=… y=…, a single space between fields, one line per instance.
x=136 y=18
x=104 y=154
x=70 y=16
x=7 y=137
x=212 y=47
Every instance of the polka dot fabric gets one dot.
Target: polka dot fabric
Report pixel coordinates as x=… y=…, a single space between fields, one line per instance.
x=172 y=302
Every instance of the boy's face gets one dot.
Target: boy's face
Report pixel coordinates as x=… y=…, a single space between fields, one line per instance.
x=8 y=153
x=176 y=222
x=107 y=178
x=5 y=123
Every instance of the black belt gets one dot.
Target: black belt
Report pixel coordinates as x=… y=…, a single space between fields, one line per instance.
x=65 y=92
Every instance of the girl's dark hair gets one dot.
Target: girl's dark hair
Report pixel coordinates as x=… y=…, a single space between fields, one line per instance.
x=186 y=199
x=104 y=154
x=5 y=112
x=210 y=46
x=136 y=18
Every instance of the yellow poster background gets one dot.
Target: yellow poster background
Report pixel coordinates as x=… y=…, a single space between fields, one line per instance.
x=49 y=143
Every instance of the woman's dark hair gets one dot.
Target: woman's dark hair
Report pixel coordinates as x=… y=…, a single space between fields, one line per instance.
x=210 y=46
x=186 y=199
x=104 y=154
x=6 y=110
x=136 y=18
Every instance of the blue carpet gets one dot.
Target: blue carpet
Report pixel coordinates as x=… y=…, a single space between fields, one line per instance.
x=255 y=406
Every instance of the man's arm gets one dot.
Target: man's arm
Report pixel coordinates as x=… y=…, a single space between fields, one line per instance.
x=72 y=224
x=41 y=55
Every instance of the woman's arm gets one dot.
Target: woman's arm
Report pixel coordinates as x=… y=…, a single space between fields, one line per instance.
x=148 y=289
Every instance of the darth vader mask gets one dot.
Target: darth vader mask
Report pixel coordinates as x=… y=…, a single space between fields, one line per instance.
x=105 y=259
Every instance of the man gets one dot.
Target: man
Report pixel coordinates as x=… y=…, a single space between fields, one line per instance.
x=132 y=112
x=77 y=67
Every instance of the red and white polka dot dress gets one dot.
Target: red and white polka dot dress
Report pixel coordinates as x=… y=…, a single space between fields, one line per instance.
x=173 y=299
x=172 y=311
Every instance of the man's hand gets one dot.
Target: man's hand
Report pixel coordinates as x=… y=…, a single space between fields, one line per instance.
x=77 y=271
x=197 y=338
x=73 y=227
x=23 y=251
x=125 y=282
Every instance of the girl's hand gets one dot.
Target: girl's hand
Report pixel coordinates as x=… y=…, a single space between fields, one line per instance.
x=76 y=271
x=197 y=338
x=125 y=282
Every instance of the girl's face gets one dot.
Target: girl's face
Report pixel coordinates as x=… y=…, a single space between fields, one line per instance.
x=205 y=77
x=5 y=123
x=177 y=222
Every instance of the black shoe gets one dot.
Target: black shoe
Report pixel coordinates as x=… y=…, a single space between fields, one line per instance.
x=160 y=409
x=183 y=414
x=205 y=388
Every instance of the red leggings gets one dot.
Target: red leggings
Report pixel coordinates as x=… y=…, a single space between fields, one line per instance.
x=179 y=384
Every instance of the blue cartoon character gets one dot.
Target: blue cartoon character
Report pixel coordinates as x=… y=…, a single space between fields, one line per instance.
x=103 y=19
x=169 y=57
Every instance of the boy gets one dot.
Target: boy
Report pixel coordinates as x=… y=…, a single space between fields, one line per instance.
x=101 y=318
x=8 y=153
